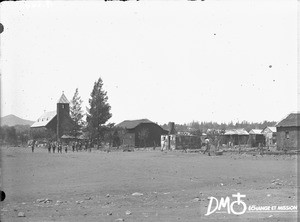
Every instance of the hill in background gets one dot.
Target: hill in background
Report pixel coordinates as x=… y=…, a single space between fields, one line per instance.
x=12 y=120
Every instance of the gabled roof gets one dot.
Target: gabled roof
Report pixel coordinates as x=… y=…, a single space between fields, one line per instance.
x=292 y=119
x=271 y=128
x=63 y=99
x=130 y=124
x=44 y=119
x=255 y=131
x=236 y=132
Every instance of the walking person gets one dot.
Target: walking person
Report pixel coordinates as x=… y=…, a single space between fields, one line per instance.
x=66 y=148
x=207 y=146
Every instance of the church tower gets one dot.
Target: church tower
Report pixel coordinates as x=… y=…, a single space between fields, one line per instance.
x=63 y=115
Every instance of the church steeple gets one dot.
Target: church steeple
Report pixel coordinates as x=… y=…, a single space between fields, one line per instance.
x=63 y=98
x=63 y=115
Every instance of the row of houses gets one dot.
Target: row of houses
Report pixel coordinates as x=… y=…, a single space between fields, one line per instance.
x=285 y=135
x=145 y=133
x=254 y=138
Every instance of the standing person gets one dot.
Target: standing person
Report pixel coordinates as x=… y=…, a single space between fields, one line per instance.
x=49 y=146
x=90 y=146
x=240 y=149
x=53 y=147
x=162 y=145
x=60 y=147
x=76 y=145
x=86 y=145
x=261 y=149
x=207 y=146
x=73 y=146
x=80 y=145
x=66 y=148
x=32 y=145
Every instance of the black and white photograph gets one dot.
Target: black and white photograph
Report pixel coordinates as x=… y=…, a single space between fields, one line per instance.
x=163 y=110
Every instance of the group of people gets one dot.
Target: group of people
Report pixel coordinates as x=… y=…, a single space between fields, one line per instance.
x=53 y=145
x=59 y=146
x=74 y=145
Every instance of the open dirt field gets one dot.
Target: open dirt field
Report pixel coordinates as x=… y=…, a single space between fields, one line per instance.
x=175 y=186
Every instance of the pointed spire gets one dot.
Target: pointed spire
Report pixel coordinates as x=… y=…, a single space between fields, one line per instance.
x=63 y=98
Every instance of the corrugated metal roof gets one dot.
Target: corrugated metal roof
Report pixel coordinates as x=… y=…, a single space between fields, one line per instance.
x=236 y=132
x=63 y=99
x=130 y=124
x=44 y=119
x=292 y=119
x=255 y=131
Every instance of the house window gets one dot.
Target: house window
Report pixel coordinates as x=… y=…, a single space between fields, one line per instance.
x=287 y=135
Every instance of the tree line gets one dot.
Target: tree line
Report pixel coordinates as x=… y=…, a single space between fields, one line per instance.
x=14 y=135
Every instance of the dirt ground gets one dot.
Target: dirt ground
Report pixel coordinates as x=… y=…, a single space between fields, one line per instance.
x=171 y=186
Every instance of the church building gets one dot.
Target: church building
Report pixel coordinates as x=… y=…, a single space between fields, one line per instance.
x=54 y=124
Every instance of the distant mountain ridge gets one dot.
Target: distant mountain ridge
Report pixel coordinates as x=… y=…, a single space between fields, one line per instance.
x=12 y=120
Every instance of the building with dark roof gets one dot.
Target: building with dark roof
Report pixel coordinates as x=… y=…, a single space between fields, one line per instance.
x=288 y=132
x=54 y=123
x=140 y=133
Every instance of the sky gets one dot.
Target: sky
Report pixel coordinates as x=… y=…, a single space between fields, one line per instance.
x=177 y=61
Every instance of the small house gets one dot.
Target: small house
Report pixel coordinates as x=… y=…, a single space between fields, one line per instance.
x=270 y=135
x=256 y=137
x=235 y=137
x=179 y=140
x=288 y=132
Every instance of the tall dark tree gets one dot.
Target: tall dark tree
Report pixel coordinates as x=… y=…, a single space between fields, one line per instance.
x=76 y=114
x=98 y=113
